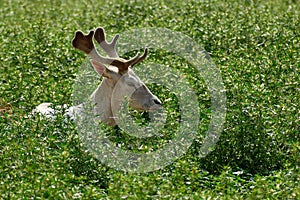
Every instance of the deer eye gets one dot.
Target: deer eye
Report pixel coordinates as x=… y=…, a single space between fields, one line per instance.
x=130 y=82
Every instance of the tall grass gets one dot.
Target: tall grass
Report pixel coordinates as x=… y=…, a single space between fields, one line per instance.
x=255 y=44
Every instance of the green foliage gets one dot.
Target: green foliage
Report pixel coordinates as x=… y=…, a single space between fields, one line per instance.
x=255 y=44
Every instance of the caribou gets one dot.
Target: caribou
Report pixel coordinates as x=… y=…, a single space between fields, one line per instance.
x=118 y=79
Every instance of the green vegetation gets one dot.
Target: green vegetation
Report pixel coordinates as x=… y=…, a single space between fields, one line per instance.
x=255 y=45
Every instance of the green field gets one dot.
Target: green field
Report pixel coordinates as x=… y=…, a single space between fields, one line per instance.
x=256 y=46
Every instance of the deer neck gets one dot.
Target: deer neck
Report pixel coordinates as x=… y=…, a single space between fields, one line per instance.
x=102 y=99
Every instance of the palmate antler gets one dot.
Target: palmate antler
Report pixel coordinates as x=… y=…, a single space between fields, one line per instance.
x=85 y=44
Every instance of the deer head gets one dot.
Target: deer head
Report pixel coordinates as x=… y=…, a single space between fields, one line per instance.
x=118 y=81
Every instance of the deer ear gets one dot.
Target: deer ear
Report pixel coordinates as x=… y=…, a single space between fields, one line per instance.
x=100 y=68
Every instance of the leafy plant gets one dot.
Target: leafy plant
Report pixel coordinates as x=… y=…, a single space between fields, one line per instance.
x=254 y=44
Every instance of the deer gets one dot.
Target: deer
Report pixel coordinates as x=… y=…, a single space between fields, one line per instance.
x=118 y=79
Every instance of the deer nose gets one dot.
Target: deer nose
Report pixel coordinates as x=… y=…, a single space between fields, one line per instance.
x=156 y=101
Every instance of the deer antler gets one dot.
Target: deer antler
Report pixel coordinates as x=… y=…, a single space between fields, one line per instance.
x=109 y=48
x=141 y=58
x=85 y=44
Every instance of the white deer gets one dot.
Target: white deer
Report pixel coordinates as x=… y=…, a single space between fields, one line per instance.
x=118 y=81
